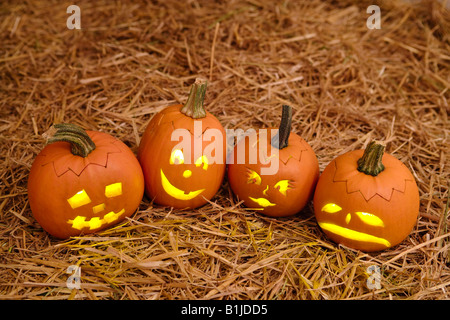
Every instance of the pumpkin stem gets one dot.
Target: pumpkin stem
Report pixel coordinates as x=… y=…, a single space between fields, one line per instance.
x=370 y=163
x=79 y=140
x=280 y=140
x=194 y=104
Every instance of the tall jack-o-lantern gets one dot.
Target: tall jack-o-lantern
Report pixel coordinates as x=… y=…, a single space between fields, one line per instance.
x=183 y=177
x=281 y=193
x=83 y=182
x=366 y=200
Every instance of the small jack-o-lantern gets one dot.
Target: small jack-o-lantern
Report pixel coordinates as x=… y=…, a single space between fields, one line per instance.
x=83 y=182
x=366 y=200
x=183 y=177
x=281 y=193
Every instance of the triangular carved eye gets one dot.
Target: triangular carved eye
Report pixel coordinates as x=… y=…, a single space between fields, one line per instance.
x=282 y=186
x=253 y=177
x=176 y=157
x=203 y=160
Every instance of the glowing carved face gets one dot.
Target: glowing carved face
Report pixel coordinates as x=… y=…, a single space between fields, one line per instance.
x=364 y=217
x=81 y=198
x=364 y=212
x=283 y=193
x=177 y=158
x=254 y=178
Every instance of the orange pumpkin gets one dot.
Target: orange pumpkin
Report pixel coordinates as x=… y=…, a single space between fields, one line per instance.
x=366 y=199
x=183 y=174
x=281 y=193
x=83 y=182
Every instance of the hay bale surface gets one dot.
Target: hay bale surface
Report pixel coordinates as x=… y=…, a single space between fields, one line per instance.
x=347 y=84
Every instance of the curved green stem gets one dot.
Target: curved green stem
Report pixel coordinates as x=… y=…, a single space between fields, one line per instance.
x=370 y=163
x=194 y=104
x=280 y=140
x=79 y=140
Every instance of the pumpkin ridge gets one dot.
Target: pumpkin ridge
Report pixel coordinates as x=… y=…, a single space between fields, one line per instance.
x=302 y=148
x=299 y=159
x=375 y=194
x=82 y=170
x=203 y=132
x=400 y=186
x=59 y=159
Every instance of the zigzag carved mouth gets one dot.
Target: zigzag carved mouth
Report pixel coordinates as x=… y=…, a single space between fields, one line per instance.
x=80 y=222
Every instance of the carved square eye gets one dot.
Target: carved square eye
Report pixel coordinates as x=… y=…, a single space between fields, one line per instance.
x=203 y=160
x=113 y=190
x=79 y=199
x=282 y=186
x=253 y=177
x=176 y=157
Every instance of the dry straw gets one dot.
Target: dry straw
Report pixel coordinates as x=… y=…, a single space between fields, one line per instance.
x=346 y=83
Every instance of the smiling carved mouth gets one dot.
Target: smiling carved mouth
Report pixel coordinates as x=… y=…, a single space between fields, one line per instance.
x=176 y=193
x=352 y=234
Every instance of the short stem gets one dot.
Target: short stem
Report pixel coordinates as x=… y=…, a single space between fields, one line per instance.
x=280 y=140
x=79 y=140
x=370 y=163
x=194 y=104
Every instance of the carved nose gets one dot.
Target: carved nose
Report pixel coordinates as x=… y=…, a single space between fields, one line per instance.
x=187 y=173
x=348 y=217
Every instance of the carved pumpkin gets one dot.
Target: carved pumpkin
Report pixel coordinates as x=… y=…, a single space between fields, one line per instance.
x=281 y=193
x=183 y=174
x=366 y=200
x=83 y=182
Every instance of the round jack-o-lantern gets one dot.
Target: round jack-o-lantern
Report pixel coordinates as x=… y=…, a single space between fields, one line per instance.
x=366 y=199
x=285 y=191
x=83 y=182
x=183 y=174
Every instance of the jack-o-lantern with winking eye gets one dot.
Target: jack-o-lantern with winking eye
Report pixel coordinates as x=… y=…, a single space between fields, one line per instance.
x=284 y=192
x=366 y=199
x=83 y=182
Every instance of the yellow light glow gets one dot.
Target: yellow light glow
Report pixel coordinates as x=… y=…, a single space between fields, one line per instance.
x=187 y=173
x=265 y=190
x=96 y=222
x=263 y=202
x=348 y=217
x=202 y=160
x=282 y=186
x=331 y=208
x=113 y=190
x=175 y=192
x=79 y=199
x=352 y=234
x=253 y=177
x=79 y=222
x=370 y=219
x=112 y=216
x=176 y=157
x=98 y=208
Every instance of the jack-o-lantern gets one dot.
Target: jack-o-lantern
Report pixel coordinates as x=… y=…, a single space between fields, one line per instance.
x=83 y=182
x=183 y=176
x=281 y=193
x=366 y=199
